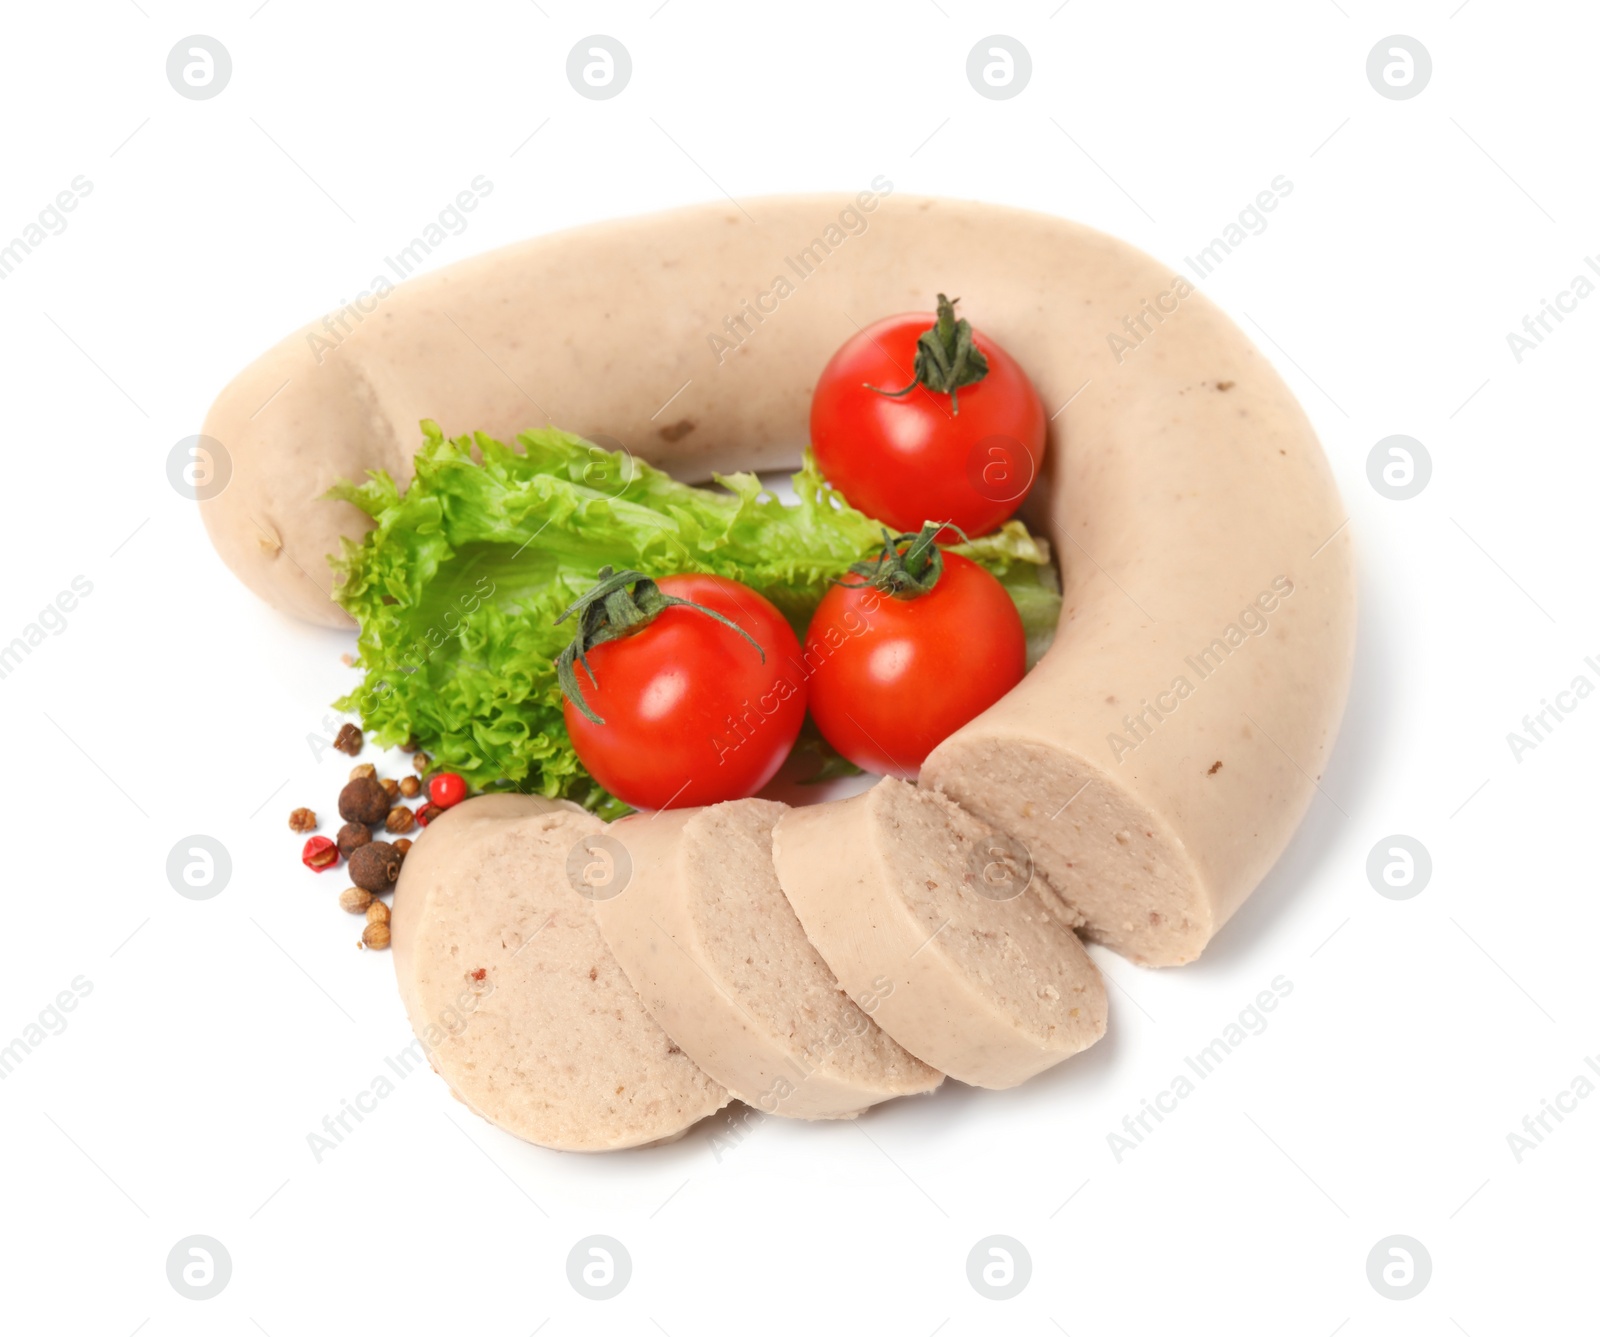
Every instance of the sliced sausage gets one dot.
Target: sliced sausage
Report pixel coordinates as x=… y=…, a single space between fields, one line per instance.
x=518 y=1002
x=915 y=902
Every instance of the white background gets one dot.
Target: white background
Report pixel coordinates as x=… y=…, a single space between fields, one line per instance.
x=219 y=1033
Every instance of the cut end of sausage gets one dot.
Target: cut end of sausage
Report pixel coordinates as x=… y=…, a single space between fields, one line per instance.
x=1123 y=879
x=514 y=996
x=704 y=932
x=912 y=900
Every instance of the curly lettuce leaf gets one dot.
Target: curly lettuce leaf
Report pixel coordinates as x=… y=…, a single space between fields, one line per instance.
x=457 y=587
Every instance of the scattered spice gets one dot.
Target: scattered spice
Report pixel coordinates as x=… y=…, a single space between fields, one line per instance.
x=319 y=854
x=1215 y=767
x=399 y=820
x=368 y=800
x=355 y=900
x=410 y=745
x=347 y=659
x=352 y=836
x=479 y=974
x=363 y=800
x=375 y=866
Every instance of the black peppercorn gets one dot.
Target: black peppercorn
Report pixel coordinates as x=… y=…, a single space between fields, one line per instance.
x=375 y=867
x=352 y=836
x=363 y=800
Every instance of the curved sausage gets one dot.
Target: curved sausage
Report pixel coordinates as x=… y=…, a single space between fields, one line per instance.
x=1159 y=758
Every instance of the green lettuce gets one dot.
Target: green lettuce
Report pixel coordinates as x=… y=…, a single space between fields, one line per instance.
x=457 y=587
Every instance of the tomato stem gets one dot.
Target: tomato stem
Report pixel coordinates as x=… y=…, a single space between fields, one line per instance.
x=611 y=611
x=946 y=357
x=904 y=573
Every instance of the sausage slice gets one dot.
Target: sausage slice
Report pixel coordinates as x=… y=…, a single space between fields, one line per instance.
x=914 y=901
x=703 y=931
x=519 y=1004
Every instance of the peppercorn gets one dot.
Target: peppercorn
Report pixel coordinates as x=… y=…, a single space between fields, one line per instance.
x=364 y=771
x=352 y=836
x=427 y=812
x=447 y=790
x=355 y=900
x=421 y=762
x=410 y=786
x=375 y=935
x=349 y=740
x=302 y=820
x=319 y=854
x=375 y=866
x=391 y=788
x=403 y=845
x=363 y=800
x=400 y=819
x=410 y=745
x=377 y=913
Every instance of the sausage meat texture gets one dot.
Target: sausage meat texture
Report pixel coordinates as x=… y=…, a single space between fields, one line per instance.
x=1158 y=759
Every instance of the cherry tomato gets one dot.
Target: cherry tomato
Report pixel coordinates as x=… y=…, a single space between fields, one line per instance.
x=922 y=457
x=447 y=790
x=891 y=678
x=692 y=713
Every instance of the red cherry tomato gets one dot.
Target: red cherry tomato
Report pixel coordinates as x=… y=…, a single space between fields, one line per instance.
x=892 y=678
x=907 y=460
x=447 y=790
x=692 y=713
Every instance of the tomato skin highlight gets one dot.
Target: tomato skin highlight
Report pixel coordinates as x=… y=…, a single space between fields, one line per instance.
x=892 y=678
x=692 y=714
x=904 y=461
